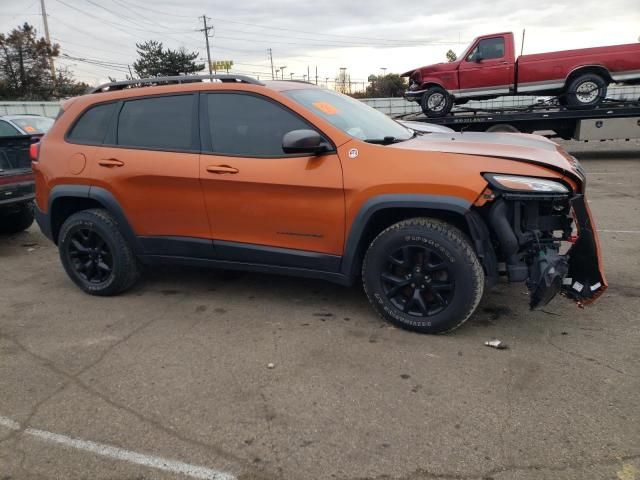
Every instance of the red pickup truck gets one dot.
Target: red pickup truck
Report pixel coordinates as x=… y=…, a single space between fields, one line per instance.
x=488 y=68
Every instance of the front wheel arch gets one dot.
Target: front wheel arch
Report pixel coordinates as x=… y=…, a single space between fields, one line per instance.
x=383 y=211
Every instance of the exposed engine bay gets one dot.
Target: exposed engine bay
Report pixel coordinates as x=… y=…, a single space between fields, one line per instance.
x=547 y=241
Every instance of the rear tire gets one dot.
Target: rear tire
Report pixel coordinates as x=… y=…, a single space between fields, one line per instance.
x=423 y=275
x=17 y=219
x=436 y=102
x=95 y=255
x=586 y=91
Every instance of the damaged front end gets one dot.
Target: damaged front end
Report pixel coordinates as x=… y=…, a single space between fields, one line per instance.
x=543 y=235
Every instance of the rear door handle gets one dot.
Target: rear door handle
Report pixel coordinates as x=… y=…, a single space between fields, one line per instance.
x=219 y=169
x=110 y=162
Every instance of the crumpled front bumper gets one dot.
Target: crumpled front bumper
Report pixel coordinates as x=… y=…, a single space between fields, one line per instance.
x=585 y=280
x=413 y=95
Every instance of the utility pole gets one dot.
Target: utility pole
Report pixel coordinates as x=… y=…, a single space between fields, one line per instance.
x=316 y=74
x=271 y=58
x=43 y=10
x=205 y=30
x=308 y=79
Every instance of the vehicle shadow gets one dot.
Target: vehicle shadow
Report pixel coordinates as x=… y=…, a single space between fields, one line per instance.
x=504 y=307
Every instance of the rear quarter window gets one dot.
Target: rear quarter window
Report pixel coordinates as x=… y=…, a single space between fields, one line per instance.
x=92 y=125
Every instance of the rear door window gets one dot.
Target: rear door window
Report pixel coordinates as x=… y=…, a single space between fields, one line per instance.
x=92 y=126
x=158 y=123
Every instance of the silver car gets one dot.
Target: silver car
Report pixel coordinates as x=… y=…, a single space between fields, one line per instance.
x=11 y=125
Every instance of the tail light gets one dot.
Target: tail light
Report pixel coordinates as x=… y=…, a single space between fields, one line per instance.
x=34 y=151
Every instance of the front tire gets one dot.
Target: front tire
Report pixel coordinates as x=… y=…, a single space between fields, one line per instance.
x=436 y=102
x=586 y=91
x=95 y=255
x=423 y=275
x=18 y=219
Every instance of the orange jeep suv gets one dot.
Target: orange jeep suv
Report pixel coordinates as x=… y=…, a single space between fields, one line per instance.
x=285 y=177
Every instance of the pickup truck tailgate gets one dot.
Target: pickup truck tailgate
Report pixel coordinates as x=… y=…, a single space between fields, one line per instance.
x=16 y=177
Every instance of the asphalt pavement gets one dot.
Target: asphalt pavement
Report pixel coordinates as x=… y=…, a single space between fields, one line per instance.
x=206 y=374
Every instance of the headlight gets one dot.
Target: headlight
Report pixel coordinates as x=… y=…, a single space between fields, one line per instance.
x=526 y=184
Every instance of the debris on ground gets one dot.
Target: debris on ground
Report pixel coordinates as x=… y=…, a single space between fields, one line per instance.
x=495 y=343
x=271 y=365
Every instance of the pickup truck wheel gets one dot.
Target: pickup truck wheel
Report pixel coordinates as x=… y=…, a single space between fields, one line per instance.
x=95 y=255
x=16 y=219
x=436 y=102
x=423 y=275
x=586 y=91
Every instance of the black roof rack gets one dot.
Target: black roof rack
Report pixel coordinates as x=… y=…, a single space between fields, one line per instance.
x=140 y=82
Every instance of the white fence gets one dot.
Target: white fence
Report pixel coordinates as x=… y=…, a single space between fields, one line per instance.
x=392 y=106
x=47 y=109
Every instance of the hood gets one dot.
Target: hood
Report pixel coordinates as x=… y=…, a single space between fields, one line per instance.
x=513 y=146
x=435 y=68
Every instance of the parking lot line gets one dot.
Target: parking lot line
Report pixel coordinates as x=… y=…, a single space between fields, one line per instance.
x=174 y=466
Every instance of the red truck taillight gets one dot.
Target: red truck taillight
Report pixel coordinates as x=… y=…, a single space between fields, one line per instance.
x=34 y=151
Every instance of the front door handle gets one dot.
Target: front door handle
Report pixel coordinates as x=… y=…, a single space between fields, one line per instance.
x=110 y=162
x=219 y=169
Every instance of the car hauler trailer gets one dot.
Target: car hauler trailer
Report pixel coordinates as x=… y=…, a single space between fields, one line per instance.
x=612 y=120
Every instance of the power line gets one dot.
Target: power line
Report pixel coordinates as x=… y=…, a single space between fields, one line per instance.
x=145 y=8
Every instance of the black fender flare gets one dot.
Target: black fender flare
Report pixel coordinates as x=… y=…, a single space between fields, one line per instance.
x=102 y=196
x=394 y=201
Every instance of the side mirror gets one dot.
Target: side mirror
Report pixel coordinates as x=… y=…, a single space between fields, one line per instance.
x=477 y=58
x=303 y=141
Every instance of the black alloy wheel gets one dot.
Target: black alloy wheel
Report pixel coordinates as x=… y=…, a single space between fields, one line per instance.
x=418 y=281
x=89 y=255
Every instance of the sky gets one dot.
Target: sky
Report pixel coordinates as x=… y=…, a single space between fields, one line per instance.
x=98 y=37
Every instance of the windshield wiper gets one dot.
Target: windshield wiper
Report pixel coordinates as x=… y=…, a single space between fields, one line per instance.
x=385 y=140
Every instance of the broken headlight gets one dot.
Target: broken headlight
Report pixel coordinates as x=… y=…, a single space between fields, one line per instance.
x=517 y=183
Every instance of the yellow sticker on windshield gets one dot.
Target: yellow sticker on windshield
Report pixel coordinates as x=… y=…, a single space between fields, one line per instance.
x=326 y=108
x=29 y=129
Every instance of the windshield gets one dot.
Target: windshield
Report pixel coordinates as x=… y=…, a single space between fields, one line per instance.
x=351 y=116
x=34 y=125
